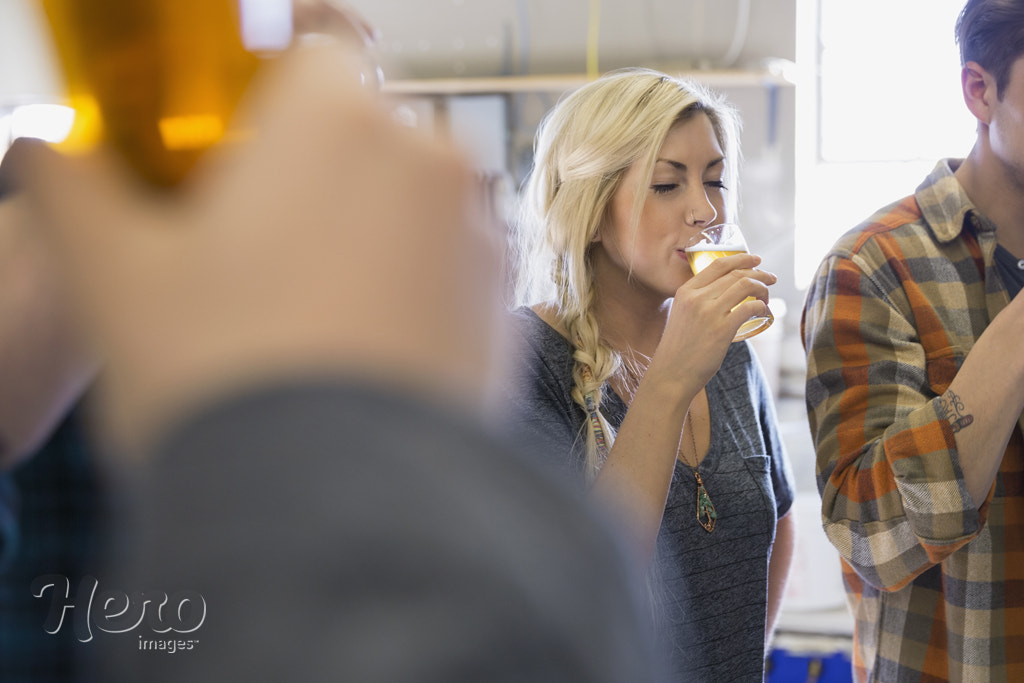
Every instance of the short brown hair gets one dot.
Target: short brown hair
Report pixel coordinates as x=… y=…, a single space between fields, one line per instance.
x=991 y=33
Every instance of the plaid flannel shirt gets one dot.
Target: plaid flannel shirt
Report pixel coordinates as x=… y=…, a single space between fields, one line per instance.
x=936 y=586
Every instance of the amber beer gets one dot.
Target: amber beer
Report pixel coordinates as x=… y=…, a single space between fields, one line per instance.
x=703 y=256
x=159 y=79
x=717 y=242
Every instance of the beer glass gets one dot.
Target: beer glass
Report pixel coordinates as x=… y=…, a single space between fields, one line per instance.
x=713 y=243
x=159 y=80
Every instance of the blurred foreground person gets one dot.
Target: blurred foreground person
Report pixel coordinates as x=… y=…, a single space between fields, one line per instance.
x=294 y=344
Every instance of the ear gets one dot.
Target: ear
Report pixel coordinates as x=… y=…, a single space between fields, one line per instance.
x=979 y=88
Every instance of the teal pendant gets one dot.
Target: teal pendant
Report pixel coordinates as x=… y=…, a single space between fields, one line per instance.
x=706 y=515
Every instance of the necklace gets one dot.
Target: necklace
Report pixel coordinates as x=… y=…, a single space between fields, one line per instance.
x=706 y=514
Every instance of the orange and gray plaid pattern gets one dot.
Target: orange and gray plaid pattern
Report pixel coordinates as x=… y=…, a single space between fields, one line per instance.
x=936 y=586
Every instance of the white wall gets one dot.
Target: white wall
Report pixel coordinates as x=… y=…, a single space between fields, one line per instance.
x=27 y=66
x=437 y=38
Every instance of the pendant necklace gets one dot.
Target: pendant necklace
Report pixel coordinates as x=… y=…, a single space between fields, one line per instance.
x=706 y=514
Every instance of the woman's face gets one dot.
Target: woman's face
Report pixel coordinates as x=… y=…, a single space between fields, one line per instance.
x=684 y=196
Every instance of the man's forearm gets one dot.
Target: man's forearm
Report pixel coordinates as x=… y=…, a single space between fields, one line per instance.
x=43 y=365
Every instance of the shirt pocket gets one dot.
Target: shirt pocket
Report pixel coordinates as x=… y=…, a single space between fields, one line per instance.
x=942 y=366
x=759 y=466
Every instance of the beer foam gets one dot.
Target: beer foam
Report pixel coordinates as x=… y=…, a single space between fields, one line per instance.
x=717 y=247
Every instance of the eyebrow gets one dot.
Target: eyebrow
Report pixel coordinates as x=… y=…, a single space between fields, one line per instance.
x=682 y=167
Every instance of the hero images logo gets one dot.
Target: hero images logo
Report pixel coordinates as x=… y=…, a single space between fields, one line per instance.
x=113 y=611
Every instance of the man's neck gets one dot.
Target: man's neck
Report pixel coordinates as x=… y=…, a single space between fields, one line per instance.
x=995 y=193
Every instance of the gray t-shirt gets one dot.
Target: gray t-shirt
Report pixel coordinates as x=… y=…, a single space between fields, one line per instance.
x=711 y=593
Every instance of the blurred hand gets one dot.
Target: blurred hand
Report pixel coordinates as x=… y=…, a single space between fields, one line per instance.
x=44 y=364
x=334 y=242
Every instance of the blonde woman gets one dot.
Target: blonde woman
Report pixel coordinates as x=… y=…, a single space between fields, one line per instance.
x=630 y=377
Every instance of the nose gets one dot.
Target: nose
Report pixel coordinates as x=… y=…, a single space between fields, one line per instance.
x=701 y=212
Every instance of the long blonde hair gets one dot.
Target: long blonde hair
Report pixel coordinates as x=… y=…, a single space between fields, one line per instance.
x=583 y=148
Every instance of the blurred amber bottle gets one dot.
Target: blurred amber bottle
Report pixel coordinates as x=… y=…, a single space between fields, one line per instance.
x=159 y=79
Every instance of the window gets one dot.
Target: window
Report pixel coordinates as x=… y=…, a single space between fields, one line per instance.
x=879 y=103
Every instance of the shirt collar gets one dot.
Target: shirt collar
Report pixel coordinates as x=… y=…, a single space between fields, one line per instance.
x=945 y=205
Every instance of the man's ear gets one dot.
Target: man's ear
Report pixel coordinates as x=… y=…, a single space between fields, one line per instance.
x=980 y=92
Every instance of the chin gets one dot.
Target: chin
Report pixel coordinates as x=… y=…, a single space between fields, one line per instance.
x=679 y=282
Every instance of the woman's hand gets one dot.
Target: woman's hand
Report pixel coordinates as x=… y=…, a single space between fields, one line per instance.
x=706 y=314
x=635 y=479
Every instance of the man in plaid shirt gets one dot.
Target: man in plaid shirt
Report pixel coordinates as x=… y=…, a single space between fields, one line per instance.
x=915 y=394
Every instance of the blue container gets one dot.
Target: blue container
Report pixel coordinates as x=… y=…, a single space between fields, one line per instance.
x=784 y=666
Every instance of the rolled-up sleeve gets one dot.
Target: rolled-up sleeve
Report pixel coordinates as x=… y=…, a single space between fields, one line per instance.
x=894 y=502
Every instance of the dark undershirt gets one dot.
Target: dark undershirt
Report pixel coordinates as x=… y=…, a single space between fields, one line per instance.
x=1011 y=269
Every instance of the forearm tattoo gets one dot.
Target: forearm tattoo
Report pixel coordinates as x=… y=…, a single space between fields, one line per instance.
x=951 y=408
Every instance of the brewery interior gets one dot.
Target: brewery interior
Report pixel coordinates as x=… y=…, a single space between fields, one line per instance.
x=821 y=150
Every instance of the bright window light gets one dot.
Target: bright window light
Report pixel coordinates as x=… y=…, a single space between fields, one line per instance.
x=50 y=122
x=266 y=24
x=886 y=105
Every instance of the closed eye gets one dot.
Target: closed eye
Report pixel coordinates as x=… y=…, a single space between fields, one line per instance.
x=664 y=188
x=716 y=184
